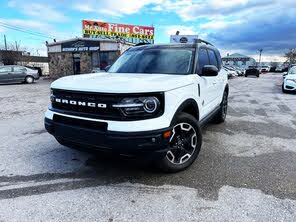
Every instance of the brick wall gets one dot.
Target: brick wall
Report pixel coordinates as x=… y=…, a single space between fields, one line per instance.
x=85 y=62
x=60 y=64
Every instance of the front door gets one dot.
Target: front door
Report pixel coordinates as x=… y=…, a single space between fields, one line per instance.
x=76 y=63
x=207 y=84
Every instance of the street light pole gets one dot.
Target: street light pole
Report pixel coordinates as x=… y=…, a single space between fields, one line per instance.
x=260 y=53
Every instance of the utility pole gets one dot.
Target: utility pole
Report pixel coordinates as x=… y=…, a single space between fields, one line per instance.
x=5 y=43
x=260 y=53
x=16 y=46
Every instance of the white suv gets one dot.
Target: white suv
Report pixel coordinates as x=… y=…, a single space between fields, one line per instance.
x=289 y=84
x=151 y=103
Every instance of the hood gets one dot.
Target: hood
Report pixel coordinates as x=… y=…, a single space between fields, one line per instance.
x=122 y=82
x=291 y=76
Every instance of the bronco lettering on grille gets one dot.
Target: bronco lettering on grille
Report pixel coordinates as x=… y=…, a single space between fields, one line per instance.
x=81 y=103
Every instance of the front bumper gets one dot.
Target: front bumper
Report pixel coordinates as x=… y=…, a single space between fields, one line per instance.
x=290 y=85
x=150 y=143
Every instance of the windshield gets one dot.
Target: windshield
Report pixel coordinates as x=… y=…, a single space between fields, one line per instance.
x=292 y=71
x=155 y=60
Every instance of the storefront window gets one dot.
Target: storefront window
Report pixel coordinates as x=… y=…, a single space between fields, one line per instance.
x=102 y=59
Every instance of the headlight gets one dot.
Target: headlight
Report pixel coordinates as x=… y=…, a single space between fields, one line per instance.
x=140 y=105
x=293 y=80
x=51 y=95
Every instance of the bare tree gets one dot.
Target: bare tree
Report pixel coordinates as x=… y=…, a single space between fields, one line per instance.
x=13 y=55
x=291 y=56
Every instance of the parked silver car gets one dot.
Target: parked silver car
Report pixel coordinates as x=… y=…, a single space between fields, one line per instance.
x=15 y=73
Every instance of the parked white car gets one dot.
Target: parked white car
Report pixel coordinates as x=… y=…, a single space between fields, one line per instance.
x=151 y=103
x=230 y=72
x=289 y=83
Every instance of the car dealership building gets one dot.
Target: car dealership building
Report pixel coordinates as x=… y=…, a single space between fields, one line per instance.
x=82 y=55
x=101 y=44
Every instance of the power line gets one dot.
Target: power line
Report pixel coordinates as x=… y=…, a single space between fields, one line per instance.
x=16 y=28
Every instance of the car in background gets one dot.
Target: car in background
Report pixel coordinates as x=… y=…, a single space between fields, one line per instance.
x=230 y=72
x=265 y=69
x=240 y=71
x=36 y=68
x=289 y=84
x=15 y=73
x=252 y=71
x=279 y=69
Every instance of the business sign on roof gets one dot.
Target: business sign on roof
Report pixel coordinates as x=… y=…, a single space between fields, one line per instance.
x=96 y=29
x=183 y=38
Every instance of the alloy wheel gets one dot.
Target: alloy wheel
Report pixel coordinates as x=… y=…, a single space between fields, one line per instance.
x=182 y=143
x=224 y=106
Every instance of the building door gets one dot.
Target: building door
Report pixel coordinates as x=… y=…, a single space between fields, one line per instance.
x=76 y=63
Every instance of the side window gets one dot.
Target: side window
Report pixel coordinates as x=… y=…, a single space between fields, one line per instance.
x=5 y=69
x=203 y=58
x=19 y=69
x=213 y=58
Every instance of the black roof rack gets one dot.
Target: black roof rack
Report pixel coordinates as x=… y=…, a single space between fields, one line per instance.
x=203 y=41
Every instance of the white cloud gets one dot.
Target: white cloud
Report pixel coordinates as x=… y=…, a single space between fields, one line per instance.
x=214 y=24
x=184 y=30
x=113 y=7
x=42 y=11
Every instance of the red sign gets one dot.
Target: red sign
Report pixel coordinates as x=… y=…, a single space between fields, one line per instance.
x=98 y=29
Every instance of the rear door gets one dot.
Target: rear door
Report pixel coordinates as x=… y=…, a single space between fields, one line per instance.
x=218 y=81
x=5 y=74
x=19 y=73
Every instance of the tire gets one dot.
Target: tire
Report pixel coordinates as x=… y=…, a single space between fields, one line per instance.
x=283 y=89
x=246 y=75
x=185 y=144
x=29 y=79
x=222 y=113
x=257 y=76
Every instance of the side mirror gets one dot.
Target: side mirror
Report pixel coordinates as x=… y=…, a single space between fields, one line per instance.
x=107 y=68
x=209 y=70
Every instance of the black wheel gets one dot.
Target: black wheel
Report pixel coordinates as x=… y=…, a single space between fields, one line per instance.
x=257 y=75
x=222 y=113
x=246 y=75
x=184 y=146
x=29 y=79
x=283 y=89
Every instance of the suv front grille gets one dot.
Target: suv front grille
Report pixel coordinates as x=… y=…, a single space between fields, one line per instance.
x=92 y=104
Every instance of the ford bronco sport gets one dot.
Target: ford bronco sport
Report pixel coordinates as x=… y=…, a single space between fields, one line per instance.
x=151 y=103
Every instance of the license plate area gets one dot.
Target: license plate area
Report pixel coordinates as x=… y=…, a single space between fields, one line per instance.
x=94 y=125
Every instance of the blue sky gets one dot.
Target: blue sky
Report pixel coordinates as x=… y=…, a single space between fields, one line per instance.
x=242 y=26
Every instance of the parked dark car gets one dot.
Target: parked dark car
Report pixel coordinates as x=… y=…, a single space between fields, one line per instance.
x=252 y=71
x=14 y=73
x=36 y=68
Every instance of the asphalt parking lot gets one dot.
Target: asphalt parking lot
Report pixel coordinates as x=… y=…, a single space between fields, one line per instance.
x=246 y=170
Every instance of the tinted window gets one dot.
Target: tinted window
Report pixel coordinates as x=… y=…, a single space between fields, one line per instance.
x=219 y=59
x=292 y=71
x=155 y=60
x=5 y=69
x=19 y=69
x=203 y=58
x=213 y=58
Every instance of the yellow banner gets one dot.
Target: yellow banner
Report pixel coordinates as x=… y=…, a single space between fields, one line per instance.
x=114 y=34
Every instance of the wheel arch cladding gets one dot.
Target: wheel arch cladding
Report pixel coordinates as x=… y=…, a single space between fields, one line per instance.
x=226 y=89
x=188 y=106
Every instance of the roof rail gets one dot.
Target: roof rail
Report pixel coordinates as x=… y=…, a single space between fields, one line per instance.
x=203 y=41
